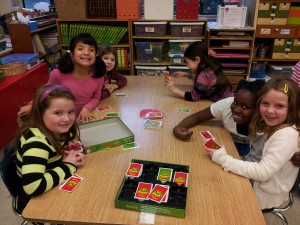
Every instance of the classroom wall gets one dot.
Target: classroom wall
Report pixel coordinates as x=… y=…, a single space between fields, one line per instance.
x=6 y=7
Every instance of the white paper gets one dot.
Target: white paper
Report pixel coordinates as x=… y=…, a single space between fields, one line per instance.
x=147 y=218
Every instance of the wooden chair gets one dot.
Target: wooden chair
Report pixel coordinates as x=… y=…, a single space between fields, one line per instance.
x=278 y=211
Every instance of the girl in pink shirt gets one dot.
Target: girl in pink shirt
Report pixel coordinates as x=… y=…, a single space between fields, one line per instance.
x=82 y=72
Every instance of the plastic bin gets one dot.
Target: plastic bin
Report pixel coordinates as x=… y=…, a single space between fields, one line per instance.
x=258 y=66
x=257 y=74
x=187 y=29
x=28 y=59
x=176 y=59
x=150 y=70
x=150 y=28
x=158 y=9
x=274 y=70
x=173 y=69
x=149 y=51
x=179 y=46
x=187 y=9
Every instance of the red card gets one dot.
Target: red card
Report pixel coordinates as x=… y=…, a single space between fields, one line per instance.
x=206 y=135
x=212 y=144
x=70 y=184
x=107 y=107
x=158 y=193
x=100 y=109
x=143 y=190
x=181 y=178
x=134 y=170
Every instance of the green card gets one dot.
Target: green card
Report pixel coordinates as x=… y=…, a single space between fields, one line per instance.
x=165 y=174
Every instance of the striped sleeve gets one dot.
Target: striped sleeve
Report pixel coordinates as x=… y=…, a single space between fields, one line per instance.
x=40 y=167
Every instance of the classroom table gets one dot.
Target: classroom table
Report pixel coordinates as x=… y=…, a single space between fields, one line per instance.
x=214 y=195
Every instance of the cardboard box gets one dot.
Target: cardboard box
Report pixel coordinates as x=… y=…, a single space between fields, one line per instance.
x=103 y=134
x=176 y=204
x=158 y=10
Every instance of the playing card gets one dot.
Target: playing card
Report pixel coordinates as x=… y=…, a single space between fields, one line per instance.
x=120 y=95
x=71 y=183
x=166 y=74
x=153 y=123
x=206 y=135
x=181 y=178
x=185 y=109
x=165 y=174
x=158 y=193
x=143 y=190
x=112 y=114
x=134 y=170
x=107 y=107
x=153 y=115
x=212 y=144
x=131 y=145
x=100 y=109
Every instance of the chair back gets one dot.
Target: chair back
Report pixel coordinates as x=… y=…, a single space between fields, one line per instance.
x=9 y=171
x=296 y=184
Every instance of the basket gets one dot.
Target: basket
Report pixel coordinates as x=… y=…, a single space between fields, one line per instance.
x=101 y=9
x=71 y=10
x=129 y=9
x=12 y=69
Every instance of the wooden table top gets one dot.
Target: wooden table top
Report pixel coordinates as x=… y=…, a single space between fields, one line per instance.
x=214 y=196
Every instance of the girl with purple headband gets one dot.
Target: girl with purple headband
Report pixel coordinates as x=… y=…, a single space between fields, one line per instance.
x=42 y=157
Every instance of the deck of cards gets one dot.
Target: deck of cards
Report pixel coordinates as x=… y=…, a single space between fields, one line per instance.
x=103 y=108
x=134 y=170
x=71 y=183
x=153 y=123
x=212 y=144
x=206 y=135
x=153 y=115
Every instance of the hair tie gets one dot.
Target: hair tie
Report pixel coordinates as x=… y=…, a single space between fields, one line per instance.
x=45 y=94
x=286 y=88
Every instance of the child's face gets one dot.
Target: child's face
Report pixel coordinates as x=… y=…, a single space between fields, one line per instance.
x=110 y=61
x=192 y=64
x=84 y=55
x=60 y=115
x=274 y=108
x=243 y=107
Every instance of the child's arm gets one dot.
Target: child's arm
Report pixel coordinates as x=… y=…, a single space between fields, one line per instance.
x=182 y=132
x=121 y=80
x=171 y=86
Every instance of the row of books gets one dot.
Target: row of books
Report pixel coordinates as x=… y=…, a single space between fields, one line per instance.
x=123 y=57
x=110 y=35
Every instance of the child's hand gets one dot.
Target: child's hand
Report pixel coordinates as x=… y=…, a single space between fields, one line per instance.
x=210 y=152
x=182 y=133
x=25 y=110
x=85 y=115
x=180 y=74
x=296 y=159
x=74 y=157
x=170 y=83
x=110 y=87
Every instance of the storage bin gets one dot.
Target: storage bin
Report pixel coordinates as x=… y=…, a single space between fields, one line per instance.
x=149 y=51
x=129 y=9
x=257 y=74
x=28 y=59
x=187 y=29
x=274 y=70
x=71 y=10
x=150 y=70
x=158 y=9
x=173 y=69
x=101 y=9
x=176 y=59
x=187 y=9
x=150 y=28
x=179 y=46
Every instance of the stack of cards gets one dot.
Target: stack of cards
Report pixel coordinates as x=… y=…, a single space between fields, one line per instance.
x=134 y=170
x=71 y=183
x=131 y=145
x=206 y=135
x=111 y=115
x=210 y=140
x=165 y=174
x=153 y=115
x=181 y=178
x=120 y=95
x=143 y=191
x=183 y=109
x=160 y=193
x=101 y=109
x=153 y=123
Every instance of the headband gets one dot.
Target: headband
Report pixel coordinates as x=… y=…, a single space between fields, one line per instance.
x=45 y=94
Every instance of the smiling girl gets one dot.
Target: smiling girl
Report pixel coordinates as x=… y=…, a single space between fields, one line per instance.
x=41 y=160
x=276 y=116
x=82 y=72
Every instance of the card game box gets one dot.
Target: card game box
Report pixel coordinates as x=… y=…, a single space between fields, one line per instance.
x=102 y=134
x=154 y=187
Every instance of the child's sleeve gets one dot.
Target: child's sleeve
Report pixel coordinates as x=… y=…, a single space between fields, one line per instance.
x=104 y=94
x=121 y=80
